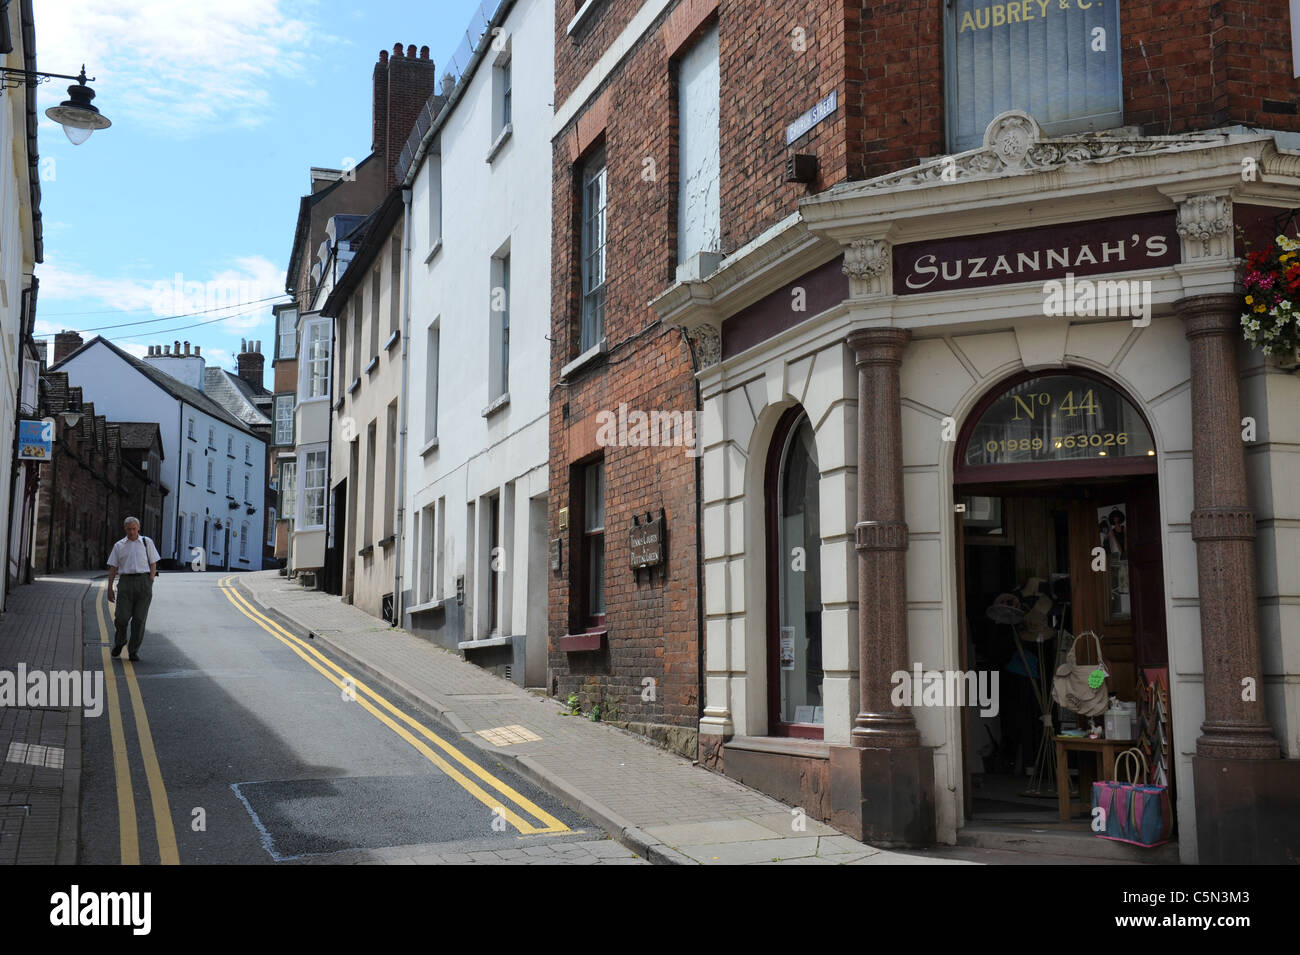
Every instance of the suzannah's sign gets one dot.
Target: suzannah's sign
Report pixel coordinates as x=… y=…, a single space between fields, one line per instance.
x=1123 y=244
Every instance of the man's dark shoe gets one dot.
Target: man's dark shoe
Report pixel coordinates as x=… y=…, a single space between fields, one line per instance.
x=135 y=656
x=117 y=650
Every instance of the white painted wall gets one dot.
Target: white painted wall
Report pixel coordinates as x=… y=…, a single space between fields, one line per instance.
x=484 y=206
x=121 y=393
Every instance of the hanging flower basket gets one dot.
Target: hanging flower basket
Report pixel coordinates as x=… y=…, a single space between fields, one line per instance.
x=1270 y=321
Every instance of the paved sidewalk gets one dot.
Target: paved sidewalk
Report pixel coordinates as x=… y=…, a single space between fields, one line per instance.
x=40 y=777
x=652 y=801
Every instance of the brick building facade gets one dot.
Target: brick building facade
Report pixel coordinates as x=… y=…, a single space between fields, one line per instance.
x=101 y=472
x=818 y=344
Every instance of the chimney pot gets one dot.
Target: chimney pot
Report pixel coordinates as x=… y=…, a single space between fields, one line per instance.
x=176 y=347
x=383 y=57
x=167 y=349
x=424 y=52
x=187 y=348
x=196 y=351
x=243 y=344
x=397 y=49
x=410 y=51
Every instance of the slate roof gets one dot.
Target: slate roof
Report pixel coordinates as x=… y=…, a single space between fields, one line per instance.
x=140 y=435
x=235 y=395
x=175 y=388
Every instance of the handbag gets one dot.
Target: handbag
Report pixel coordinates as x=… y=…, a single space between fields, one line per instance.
x=1132 y=811
x=1072 y=688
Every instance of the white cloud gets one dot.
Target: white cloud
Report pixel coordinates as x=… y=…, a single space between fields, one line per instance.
x=246 y=282
x=178 y=68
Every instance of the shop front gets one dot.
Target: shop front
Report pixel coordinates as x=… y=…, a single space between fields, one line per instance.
x=956 y=417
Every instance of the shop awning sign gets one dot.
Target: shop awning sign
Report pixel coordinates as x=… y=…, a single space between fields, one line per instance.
x=35 y=440
x=1123 y=244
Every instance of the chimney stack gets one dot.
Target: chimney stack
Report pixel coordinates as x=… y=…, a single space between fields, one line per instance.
x=251 y=363
x=403 y=83
x=65 y=343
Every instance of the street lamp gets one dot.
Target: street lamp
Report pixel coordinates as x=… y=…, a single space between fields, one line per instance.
x=75 y=114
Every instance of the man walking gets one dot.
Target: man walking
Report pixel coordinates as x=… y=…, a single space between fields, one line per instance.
x=136 y=559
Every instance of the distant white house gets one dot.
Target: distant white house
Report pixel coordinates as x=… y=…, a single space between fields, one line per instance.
x=474 y=555
x=214 y=465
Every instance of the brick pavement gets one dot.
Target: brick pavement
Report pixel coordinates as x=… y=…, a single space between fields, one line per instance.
x=656 y=803
x=40 y=788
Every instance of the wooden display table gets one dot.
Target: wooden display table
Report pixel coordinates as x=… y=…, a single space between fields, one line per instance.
x=1105 y=749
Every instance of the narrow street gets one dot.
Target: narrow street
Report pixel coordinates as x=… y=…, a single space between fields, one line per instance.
x=246 y=745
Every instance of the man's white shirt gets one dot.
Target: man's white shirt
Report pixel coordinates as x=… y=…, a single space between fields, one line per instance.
x=133 y=556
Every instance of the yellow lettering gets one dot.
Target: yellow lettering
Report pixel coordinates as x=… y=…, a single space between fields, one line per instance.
x=1083 y=6
x=982 y=22
x=999 y=15
x=1042 y=7
x=1025 y=12
x=1021 y=403
x=1013 y=12
x=968 y=22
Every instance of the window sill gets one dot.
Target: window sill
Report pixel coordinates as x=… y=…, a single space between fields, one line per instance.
x=366 y=551
x=485 y=642
x=430 y=446
x=313 y=400
x=586 y=358
x=427 y=607
x=374 y=363
x=190 y=437
x=579 y=642
x=356 y=383
x=393 y=339
x=502 y=138
x=437 y=247
x=338 y=405
x=388 y=541
x=581 y=17
x=782 y=745
x=232 y=457
x=497 y=404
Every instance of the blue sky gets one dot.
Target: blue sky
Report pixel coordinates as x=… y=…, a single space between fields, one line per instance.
x=219 y=108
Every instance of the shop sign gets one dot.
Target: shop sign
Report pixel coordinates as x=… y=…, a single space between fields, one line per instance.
x=1059 y=60
x=646 y=540
x=1123 y=244
x=822 y=109
x=35 y=440
x=1058 y=418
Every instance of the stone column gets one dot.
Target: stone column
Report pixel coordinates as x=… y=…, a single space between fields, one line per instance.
x=882 y=787
x=1223 y=527
x=881 y=541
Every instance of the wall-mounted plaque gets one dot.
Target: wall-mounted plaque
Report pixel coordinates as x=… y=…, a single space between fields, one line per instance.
x=647 y=544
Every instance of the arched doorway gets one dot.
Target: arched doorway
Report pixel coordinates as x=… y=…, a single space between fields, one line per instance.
x=1059 y=519
x=794 y=633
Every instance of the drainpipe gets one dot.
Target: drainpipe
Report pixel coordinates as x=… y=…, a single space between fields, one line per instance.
x=402 y=403
x=699 y=546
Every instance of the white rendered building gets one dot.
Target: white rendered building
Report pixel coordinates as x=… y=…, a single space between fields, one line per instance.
x=473 y=558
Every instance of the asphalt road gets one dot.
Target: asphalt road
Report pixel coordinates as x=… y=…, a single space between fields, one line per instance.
x=227 y=743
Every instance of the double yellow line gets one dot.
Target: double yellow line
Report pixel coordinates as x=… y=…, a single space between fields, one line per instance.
x=127 y=827
x=459 y=767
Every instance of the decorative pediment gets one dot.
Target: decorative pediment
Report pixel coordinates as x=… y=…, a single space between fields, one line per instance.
x=1014 y=144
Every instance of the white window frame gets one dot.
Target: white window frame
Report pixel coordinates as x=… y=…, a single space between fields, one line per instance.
x=189 y=467
x=270 y=527
x=283 y=421
x=314 y=363
x=499 y=334
x=243 y=540
x=212 y=475
x=247 y=480
x=306 y=454
x=288 y=487
x=594 y=249
x=230 y=477
x=287 y=332
x=433 y=348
